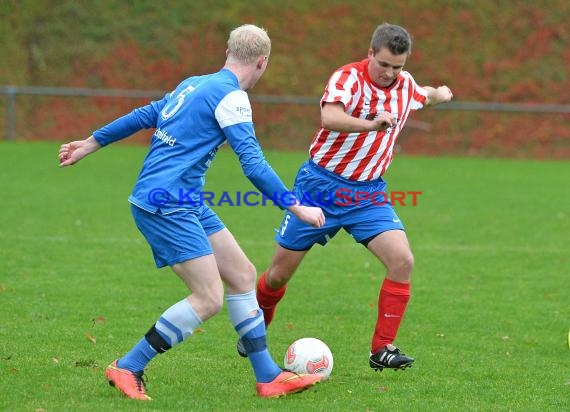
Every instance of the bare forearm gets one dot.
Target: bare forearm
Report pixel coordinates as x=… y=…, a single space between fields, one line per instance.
x=345 y=123
x=441 y=94
x=333 y=117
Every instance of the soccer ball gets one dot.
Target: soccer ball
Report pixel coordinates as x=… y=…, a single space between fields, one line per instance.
x=309 y=355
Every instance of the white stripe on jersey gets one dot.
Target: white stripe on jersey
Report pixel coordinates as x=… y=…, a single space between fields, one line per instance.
x=364 y=156
x=234 y=108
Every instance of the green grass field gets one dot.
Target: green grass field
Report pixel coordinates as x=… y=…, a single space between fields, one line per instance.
x=487 y=323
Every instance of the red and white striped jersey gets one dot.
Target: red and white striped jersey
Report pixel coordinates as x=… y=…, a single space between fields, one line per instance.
x=364 y=156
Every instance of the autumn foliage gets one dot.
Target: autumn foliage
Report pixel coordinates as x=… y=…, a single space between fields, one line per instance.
x=485 y=52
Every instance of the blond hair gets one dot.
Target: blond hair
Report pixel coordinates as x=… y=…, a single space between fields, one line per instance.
x=247 y=42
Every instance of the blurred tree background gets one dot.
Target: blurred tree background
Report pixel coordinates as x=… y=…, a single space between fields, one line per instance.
x=485 y=51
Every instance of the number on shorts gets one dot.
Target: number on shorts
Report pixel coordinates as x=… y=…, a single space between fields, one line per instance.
x=285 y=223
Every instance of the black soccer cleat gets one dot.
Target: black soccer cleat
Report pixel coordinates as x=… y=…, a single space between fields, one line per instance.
x=390 y=357
x=241 y=349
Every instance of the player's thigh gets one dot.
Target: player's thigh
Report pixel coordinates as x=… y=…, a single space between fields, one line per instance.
x=235 y=268
x=284 y=264
x=390 y=245
x=365 y=222
x=202 y=278
x=380 y=229
x=393 y=250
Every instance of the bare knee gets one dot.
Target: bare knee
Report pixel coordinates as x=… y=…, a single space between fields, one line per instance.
x=400 y=267
x=285 y=263
x=277 y=277
x=207 y=303
x=240 y=278
x=247 y=276
x=216 y=303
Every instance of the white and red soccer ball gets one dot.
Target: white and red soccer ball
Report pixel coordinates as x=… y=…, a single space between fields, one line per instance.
x=309 y=355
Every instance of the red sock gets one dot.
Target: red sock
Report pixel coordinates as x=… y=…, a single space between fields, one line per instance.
x=392 y=302
x=268 y=298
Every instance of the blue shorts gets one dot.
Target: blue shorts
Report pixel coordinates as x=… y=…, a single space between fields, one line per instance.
x=177 y=236
x=363 y=209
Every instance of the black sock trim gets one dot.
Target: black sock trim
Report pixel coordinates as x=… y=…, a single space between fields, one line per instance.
x=255 y=344
x=156 y=341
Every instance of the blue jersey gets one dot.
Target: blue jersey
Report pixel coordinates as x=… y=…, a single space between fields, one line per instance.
x=192 y=122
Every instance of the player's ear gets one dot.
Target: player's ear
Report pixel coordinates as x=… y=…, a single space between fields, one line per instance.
x=261 y=61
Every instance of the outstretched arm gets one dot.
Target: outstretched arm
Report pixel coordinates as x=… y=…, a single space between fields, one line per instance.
x=73 y=152
x=142 y=118
x=441 y=94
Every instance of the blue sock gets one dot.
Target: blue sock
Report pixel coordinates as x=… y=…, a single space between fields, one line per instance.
x=176 y=324
x=247 y=320
x=139 y=356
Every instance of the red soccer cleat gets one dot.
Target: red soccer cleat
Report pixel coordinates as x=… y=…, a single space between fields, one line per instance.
x=130 y=383
x=286 y=383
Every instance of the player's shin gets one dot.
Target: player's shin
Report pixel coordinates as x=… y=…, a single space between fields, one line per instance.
x=176 y=324
x=247 y=320
x=268 y=298
x=392 y=303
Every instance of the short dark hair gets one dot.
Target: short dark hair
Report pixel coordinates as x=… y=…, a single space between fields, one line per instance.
x=395 y=38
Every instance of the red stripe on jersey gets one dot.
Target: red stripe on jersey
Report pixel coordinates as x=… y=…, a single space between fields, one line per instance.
x=386 y=158
x=375 y=101
x=351 y=154
x=319 y=139
x=334 y=148
x=362 y=165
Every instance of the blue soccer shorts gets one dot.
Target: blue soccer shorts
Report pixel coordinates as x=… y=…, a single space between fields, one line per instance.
x=177 y=236
x=363 y=209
